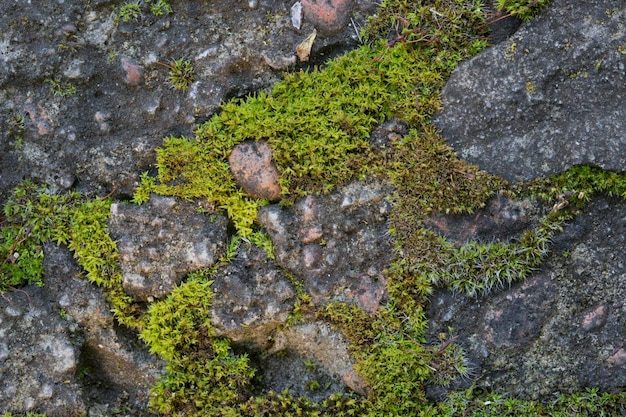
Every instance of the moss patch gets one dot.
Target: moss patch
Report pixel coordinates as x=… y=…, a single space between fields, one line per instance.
x=318 y=123
x=33 y=216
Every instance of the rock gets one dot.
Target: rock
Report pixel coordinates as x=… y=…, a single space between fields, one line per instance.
x=502 y=219
x=336 y=245
x=115 y=370
x=561 y=330
x=550 y=97
x=162 y=241
x=328 y=16
x=252 y=167
x=252 y=297
x=38 y=357
x=310 y=352
x=133 y=72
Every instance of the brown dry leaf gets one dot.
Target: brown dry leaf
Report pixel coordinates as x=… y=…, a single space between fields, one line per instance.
x=304 y=49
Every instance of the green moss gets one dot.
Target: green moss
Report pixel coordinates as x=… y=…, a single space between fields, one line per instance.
x=203 y=373
x=181 y=73
x=143 y=191
x=130 y=11
x=33 y=216
x=522 y=9
x=60 y=88
x=586 y=404
x=318 y=125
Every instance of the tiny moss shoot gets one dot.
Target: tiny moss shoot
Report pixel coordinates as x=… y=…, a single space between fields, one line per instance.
x=131 y=11
x=180 y=75
x=61 y=88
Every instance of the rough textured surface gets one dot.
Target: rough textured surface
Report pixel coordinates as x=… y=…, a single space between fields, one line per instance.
x=61 y=351
x=337 y=245
x=310 y=352
x=550 y=97
x=252 y=297
x=328 y=16
x=563 y=328
x=100 y=137
x=38 y=359
x=114 y=369
x=162 y=241
x=502 y=219
x=252 y=167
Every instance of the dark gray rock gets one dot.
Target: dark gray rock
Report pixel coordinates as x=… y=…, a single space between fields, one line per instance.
x=161 y=241
x=562 y=329
x=115 y=370
x=337 y=245
x=252 y=297
x=550 y=97
x=38 y=359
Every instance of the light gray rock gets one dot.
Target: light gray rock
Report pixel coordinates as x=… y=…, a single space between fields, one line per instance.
x=115 y=370
x=161 y=241
x=311 y=360
x=550 y=97
x=252 y=297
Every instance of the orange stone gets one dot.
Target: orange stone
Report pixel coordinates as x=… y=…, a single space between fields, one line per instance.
x=328 y=16
x=252 y=167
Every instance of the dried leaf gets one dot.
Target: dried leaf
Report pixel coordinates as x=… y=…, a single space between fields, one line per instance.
x=304 y=49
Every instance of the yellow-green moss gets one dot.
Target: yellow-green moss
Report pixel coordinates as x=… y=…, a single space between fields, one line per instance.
x=33 y=216
x=318 y=123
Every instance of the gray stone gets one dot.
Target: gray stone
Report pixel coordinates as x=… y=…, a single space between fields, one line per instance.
x=115 y=369
x=562 y=329
x=161 y=241
x=550 y=97
x=252 y=297
x=115 y=68
x=38 y=357
x=337 y=245
x=326 y=353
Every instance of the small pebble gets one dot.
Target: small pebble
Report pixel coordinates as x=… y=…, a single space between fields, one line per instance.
x=328 y=16
x=252 y=167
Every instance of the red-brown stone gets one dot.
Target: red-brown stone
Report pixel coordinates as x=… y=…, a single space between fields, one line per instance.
x=252 y=167
x=328 y=16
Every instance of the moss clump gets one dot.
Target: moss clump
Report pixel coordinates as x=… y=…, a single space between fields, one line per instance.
x=522 y=9
x=204 y=377
x=33 y=216
x=590 y=403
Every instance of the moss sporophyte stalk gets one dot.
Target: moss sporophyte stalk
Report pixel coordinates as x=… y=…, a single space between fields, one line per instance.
x=318 y=124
